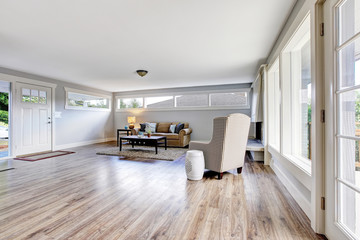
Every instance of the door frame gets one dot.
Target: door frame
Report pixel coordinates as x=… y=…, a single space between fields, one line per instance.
x=332 y=228
x=14 y=107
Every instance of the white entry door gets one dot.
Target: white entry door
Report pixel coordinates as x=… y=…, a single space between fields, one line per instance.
x=342 y=149
x=34 y=121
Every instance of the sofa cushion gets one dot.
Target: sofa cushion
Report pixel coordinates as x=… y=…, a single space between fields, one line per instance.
x=186 y=125
x=142 y=127
x=179 y=127
x=169 y=136
x=152 y=126
x=163 y=127
x=172 y=128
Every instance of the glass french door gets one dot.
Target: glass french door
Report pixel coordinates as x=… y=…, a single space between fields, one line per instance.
x=342 y=149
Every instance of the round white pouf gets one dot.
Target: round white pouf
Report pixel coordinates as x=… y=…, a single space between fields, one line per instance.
x=194 y=164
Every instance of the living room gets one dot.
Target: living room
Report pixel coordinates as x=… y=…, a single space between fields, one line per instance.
x=283 y=74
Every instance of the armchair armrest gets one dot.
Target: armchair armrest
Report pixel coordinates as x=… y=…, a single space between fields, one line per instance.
x=185 y=131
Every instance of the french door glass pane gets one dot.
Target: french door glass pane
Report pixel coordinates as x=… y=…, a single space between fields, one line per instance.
x=349 y=19
x=349 y=113
x=349 y=65
x=349 y=212
x=350 y=161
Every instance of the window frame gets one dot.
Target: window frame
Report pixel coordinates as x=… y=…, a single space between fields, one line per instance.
x=287 y=86
x=92 y=94
x=174 y=94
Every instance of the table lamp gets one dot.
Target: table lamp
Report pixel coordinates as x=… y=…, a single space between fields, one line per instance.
x=131 y=121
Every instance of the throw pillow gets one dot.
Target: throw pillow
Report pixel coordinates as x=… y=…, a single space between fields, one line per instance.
x=179 y=127
x=142 y=127
x=152 y=126
x=172 y=128
x=163 y=127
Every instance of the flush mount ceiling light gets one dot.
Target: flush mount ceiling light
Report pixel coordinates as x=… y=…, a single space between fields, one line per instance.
x=141 y=73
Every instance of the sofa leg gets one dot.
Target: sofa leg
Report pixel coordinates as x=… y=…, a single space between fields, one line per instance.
x=220 y=175
x=239 y=170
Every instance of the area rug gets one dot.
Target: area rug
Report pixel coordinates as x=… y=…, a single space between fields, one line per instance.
x=170 y=154
x=41 y=156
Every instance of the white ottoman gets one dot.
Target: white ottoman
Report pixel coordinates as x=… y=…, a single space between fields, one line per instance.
x=194 y=164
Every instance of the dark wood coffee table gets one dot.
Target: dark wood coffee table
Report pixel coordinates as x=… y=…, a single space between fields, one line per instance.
x=147 y=141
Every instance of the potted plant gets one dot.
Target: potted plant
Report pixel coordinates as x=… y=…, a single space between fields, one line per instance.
x=148 y=131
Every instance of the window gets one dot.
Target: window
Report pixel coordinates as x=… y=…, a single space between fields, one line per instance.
x=124 y=103
x=296 y=73
x=274 y=104
x=238 y=99
x=81 y=100
x=159 y=102
x=192 y=100
x=229 y=99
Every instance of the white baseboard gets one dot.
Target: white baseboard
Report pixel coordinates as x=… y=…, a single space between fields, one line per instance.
x=79 y=144
x=295 y=193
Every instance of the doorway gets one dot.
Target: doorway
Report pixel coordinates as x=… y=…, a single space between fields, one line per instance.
x=4 y=119
x=33 y=106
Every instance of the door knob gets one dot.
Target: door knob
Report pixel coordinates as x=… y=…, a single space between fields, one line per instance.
x=49 y=122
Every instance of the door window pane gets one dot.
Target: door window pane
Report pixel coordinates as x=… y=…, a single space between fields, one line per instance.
x=349 y=19
x=42 y=98
x=34 y=96
x=349 y=113
x=350 y=161
x=229 y=99
x=124 y=103
x=193 y=100
x=159 y=102
x=349 y=65
x=349 y=212
x=25 y=95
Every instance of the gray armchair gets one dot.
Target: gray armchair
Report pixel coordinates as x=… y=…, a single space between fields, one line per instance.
x=226 y=150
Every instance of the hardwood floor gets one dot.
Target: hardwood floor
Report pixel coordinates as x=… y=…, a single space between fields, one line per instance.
x=89 y=196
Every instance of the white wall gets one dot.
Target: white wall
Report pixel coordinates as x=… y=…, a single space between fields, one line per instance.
x=201 y=121
x=76 y=127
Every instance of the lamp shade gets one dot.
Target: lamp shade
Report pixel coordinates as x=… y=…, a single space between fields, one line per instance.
x=131 y=120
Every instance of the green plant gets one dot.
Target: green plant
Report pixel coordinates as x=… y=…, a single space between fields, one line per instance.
x=4 y=116
x=148 y=129
x=4 y=101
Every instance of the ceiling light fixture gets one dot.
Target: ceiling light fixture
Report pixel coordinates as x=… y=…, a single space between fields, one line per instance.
x=141 y=73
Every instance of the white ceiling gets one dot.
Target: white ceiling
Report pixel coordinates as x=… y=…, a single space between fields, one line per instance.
x=102 y=43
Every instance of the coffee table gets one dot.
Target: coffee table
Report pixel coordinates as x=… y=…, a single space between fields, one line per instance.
x=148 y=141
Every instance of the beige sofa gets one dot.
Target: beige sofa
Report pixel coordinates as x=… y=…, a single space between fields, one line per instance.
x=180 y=139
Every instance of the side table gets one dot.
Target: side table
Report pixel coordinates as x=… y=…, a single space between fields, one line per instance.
x=128 y=133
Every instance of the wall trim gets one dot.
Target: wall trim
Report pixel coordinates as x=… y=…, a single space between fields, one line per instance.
x=299 y=198
x=84 y=143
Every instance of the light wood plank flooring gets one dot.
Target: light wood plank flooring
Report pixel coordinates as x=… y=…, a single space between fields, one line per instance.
x=88 y=196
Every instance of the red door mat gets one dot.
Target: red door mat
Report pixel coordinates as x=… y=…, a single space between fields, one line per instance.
x=41 y=156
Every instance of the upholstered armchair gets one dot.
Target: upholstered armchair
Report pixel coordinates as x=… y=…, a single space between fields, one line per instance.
x=226 y=150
